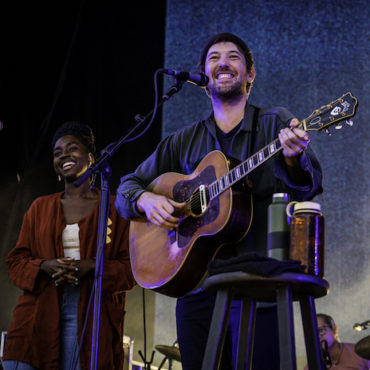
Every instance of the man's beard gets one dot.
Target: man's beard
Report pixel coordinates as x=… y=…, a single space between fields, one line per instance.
x=229 y=93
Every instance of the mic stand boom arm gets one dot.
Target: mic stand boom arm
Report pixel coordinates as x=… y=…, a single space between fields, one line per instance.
x=109 y=150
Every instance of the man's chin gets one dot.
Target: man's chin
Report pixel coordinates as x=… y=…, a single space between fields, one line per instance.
x=229 y=93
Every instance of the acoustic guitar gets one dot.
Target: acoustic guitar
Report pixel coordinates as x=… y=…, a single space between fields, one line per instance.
x=218 y=211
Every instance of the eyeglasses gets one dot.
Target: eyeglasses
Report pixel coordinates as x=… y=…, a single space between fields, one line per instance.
x=323 y=329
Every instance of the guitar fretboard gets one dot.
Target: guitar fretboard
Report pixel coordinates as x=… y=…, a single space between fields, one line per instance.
x=244 y=168
x=321 y=119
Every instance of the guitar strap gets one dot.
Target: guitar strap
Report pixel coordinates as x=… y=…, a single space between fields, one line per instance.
x=252 y=141
x=253 y=132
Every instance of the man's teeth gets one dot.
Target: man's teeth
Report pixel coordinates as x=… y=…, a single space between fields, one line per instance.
x=225 y=75
x=67 y=165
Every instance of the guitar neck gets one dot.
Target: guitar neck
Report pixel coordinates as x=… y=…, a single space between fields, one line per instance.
x=244 y=168
x=320 y=119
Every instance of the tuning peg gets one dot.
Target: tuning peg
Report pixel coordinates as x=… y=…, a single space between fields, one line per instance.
x=349 y=122
x=338 y=126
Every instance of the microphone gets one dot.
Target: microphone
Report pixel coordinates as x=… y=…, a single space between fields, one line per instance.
x=325 y=354
x=199 y=79
x=362 y=326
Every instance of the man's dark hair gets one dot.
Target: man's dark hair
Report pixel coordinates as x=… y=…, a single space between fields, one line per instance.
x=226 y=37
x=78 y=129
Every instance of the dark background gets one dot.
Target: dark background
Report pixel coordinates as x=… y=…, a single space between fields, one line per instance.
x=70 y=60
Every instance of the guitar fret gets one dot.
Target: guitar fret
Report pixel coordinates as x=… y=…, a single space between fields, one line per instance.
x=249 y=164
x=220 y=184
x=255 y=160
x=260 y=156
x=227 y=180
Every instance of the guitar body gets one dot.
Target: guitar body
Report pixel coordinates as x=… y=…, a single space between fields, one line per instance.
x=174 y=262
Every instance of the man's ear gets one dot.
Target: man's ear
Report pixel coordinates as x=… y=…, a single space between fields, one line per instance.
x=251 y=75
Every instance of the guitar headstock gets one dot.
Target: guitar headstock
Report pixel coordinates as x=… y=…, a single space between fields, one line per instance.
x=332 y=114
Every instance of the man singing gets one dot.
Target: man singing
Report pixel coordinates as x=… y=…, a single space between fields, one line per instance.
x=237 y=129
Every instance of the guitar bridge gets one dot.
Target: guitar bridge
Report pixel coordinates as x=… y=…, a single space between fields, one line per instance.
x=199 y=201
x=203 y=198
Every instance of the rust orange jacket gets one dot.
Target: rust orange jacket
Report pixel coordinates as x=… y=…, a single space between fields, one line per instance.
x=33 y=335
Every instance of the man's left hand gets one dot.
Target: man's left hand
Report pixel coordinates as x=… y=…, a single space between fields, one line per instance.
x=293 y=140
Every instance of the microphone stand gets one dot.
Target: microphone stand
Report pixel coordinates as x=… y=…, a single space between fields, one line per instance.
x=103 y=167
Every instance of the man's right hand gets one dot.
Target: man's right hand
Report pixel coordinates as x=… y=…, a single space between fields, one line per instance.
x=159 y=209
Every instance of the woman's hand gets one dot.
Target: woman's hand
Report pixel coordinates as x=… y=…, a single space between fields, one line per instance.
x=67 y=270
x=56 y=268
x=80 y=268
x=75 y=270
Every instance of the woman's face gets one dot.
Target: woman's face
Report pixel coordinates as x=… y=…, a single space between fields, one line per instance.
x=71 y=157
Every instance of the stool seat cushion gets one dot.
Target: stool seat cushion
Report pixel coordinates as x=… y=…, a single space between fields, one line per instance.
x=254 y=263
x=264 y=289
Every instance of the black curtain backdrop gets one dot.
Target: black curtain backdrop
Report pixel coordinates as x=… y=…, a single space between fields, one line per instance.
x=60 y=61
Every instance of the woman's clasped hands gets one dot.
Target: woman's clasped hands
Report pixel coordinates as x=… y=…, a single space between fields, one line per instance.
x=67 y=270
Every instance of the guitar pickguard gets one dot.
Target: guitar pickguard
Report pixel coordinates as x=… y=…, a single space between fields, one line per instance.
x=183 y=191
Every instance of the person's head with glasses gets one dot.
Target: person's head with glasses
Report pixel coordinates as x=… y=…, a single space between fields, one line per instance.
x=327 y=329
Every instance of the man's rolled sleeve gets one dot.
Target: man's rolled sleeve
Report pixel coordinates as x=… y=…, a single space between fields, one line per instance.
x=309 y=163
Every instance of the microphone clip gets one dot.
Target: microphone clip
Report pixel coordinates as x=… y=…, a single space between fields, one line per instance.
x=361 y=326
x=198 y=79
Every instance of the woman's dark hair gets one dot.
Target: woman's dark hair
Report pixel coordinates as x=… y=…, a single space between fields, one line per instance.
x=78 y=129
x=226 y=37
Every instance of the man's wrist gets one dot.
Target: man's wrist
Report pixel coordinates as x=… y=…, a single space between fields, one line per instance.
x=292 y=161
x=138 y=203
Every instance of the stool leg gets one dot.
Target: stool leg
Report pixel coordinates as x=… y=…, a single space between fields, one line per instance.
x=246 y=334
x=286 y=328
x=217 y=331
x=311 y=333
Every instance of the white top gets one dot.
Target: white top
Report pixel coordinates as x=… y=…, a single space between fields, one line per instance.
x=71 y=241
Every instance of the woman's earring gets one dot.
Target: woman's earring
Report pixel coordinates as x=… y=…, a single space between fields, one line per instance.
x=90 y=160
x=59 y=178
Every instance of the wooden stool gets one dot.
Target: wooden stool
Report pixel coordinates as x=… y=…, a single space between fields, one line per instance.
x=282 y=289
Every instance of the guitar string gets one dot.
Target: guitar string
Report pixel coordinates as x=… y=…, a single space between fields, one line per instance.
x=301 y=124
x=228 y=177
